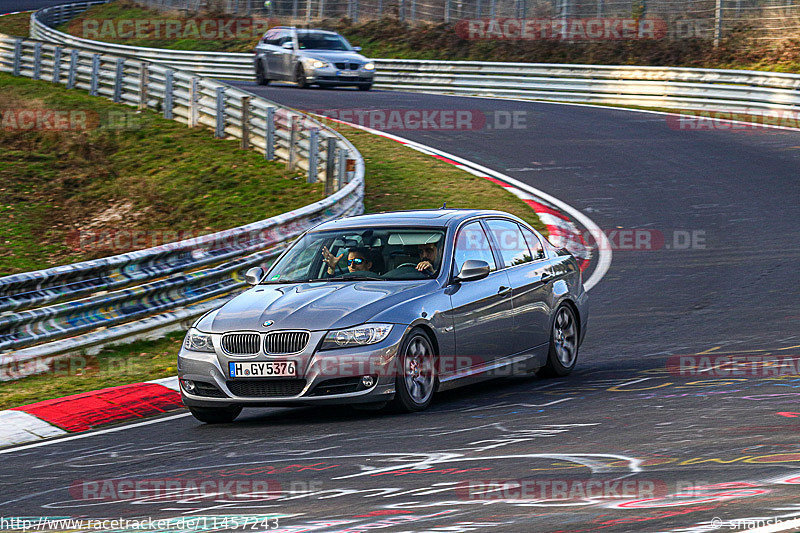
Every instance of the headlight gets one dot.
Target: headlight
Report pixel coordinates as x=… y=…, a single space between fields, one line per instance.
x=318 y=64
x=369 y=66
x=198 y=342
x=357 y=336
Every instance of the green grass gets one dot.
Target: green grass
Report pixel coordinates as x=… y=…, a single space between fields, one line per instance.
x=15 y=25
x=151 y=177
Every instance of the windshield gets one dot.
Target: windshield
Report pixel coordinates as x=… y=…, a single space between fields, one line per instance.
x=322 y=41
x=362 y=254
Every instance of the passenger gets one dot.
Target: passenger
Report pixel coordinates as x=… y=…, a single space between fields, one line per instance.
x=428 y=256
x=358 y=260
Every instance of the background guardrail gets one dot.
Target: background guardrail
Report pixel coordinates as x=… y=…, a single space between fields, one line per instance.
x=667 y=87
x=83 y=306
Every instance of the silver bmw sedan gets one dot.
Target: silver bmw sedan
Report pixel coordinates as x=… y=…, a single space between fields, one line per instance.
x=388 y=309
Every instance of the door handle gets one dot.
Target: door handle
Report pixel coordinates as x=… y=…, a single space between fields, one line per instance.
x=503 y=290
x=546 y=275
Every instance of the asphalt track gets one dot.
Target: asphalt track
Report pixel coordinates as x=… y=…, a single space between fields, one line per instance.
x=696 y=447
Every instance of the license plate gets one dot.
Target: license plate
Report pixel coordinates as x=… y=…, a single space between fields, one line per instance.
x=348 y=73
x=278 y=369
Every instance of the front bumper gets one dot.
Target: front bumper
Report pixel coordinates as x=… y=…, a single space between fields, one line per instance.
x=323 y=377
x=337 y=77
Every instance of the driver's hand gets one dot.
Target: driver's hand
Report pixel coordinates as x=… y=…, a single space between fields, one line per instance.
x=424 y=265
x=329 y=257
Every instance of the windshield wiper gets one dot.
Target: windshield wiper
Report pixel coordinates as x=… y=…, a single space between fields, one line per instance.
x=352 y=278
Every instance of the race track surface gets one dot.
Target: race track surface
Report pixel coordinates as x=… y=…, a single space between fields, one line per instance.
x=717 y=213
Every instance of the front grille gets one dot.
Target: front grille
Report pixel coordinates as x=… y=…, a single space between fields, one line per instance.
x=354 y=66
x=208 y=390
x=341 y=66
x=285 y=342
x=241 y=343
x=337 y=386
x=267 y=388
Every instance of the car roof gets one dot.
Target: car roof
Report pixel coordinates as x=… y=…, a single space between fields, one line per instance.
x=421 y=217
x=304 y=30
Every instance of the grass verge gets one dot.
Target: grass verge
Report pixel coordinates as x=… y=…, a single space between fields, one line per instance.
x=106 y=179
x=397 y=178
x=15 y=25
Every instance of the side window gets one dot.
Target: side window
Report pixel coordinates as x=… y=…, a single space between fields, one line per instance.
x=509 y=239
x=534 y=244
x=472 y=243
x=271 y=37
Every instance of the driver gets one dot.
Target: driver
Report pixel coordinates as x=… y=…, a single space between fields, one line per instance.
x=428 y=254
x=358 y=260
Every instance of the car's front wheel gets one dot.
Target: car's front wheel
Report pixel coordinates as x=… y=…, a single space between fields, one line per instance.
x=300 y=77
x=365 y=87
x=416 y=373
x=563 y=353
x=215 y=415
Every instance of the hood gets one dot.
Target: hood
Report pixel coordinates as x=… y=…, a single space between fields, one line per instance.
x=333 y=56
x=311 y=306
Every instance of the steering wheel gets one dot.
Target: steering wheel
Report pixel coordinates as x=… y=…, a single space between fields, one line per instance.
x=414 y=265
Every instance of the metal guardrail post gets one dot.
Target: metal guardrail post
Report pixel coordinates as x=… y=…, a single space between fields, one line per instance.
x=479 y=9
x=144 y=80
x=17 y=56
x=245 y=122
x=340 y=178
x=330 y=164
x=413 y=10
x=291 y=163
x=313 y=151
x=219 y=131
x=118 y=78
x=194 y=96
x=269 y=139
x=492 y=8
x=57 y=64
x=74 y=57
x=168 y=89
x=37 y=61
x=447 y=10
x=95 y=74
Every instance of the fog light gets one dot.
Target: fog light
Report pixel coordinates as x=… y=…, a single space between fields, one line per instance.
x=188 y=385
x=367 y=381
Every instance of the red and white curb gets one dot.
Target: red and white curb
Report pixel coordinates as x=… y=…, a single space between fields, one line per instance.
x=88 y=410
x=560 y=218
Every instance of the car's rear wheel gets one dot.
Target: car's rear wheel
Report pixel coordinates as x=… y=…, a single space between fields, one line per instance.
x=300 y=77
x=215 y=415
x=563 y=353
x=416 y=375
x=261 y=77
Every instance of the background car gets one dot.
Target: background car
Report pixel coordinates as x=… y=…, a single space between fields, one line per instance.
x=311 y=57
x=351 y=313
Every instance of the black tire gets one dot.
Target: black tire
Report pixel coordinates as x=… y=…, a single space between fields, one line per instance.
x=300 y=77
x=365 y=87
x=563 y=353
x=215 y=415
x=407 y=397
x=261 y=78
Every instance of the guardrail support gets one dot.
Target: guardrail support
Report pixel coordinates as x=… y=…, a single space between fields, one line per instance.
x=17 y=56
x=330 y=164
x=144 y=80
x=269 y=139
x=95 y=74
x=194 y=96
x=37 y=61
x=340 y=179
x=219 y=131
x=245 y=122
x=73 y=68
x=118 y=78
x=313 y=151
x=168 y=75
x=57 y=64
x=291 y=163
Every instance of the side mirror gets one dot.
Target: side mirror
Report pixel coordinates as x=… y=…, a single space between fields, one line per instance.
x=254 y=275
x=357 y=48
x=473 y=269
x=288 y=45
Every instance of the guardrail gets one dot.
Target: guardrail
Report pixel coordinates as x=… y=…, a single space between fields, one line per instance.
x=83 y=306
x=667 y=87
